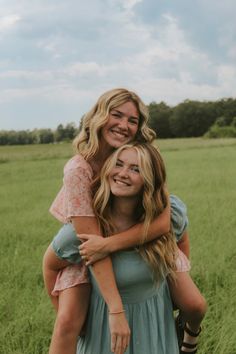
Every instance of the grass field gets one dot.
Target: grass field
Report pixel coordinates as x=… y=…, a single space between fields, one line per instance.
x=202 y=172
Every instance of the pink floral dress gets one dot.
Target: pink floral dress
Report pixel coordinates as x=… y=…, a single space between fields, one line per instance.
x=74 y=199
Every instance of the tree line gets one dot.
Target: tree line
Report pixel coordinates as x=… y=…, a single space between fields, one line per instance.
x=187 y=119
x=194 y=119
x=39 y=136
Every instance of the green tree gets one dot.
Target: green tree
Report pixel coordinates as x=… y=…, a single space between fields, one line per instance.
x=59 y=134
x=192 y=118
x=70 y=131
x=160 y=119
x=66 y=133
x=46 y=136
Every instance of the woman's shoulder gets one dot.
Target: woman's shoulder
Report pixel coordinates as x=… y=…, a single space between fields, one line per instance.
x=78 y=162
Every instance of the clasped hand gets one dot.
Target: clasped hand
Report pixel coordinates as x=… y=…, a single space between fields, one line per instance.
x=93 y=248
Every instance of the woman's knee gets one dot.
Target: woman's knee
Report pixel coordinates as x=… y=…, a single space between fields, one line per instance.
x=52 y=262
x=201 y=306
x=67 y=323
x=197 y=306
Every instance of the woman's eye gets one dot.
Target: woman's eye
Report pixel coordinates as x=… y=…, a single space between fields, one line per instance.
x=118 y=164
x=134 y=121
x=135 y=169
x=117 y=115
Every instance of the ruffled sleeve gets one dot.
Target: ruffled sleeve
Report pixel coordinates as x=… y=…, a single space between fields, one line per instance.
x=77 y=187
x=182 y=262
x=179 y=217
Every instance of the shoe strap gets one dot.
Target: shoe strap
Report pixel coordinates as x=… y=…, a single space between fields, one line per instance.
x=191 y=333
x=189 y=346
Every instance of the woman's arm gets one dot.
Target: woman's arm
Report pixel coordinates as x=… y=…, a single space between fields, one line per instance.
x=131 y=237
x=184 y=244
x=77 y=189
x=95 y=248
x=102 y=270
x=104 y=275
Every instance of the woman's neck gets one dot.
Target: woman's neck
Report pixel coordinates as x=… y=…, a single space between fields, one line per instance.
x=124 y=213
x=98 y=160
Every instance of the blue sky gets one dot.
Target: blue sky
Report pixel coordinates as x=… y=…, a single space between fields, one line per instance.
x=57 y=57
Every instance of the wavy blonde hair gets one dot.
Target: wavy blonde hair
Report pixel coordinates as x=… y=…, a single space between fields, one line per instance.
x=87 y=141
x=160 y=253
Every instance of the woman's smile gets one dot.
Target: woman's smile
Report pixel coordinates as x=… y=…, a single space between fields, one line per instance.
x=122 y=125
x=125 y=178
x=121 y=182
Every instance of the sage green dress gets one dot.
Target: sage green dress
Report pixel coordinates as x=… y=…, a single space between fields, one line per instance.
x=148 y=307
x=148 y=310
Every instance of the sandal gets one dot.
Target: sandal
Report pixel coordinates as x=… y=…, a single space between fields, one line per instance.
x=179 y=326
x=188 y=345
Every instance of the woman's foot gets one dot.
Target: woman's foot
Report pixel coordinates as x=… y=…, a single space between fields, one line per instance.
x=190 y=340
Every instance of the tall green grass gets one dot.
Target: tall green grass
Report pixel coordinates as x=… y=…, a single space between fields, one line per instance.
x=202 y=172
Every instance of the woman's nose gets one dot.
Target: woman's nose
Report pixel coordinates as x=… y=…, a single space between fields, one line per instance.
x=123 y=124
x=123 y=172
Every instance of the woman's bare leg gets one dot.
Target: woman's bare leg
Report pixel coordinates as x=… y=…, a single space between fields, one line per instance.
x=51 y=266
x=72 y=310
x=191 y=303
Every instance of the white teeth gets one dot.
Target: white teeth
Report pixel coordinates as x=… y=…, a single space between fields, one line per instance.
x=119 y=133
x=121 y=182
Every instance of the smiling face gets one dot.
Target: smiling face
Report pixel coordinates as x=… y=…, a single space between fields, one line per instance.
x=125 y=179
x=122 y=125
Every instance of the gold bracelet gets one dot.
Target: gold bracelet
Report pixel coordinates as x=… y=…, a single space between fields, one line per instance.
x=116 y=312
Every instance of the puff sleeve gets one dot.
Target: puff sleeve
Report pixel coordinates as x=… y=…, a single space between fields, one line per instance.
x=179 y=219
x=78 y=198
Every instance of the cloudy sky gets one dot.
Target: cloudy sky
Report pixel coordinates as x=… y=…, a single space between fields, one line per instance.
x=58 y=56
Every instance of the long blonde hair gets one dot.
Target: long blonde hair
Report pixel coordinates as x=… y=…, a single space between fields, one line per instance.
x=160 y=253
x=87 y=141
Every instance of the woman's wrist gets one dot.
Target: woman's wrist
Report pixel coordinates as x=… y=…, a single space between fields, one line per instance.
x=116 y=312
x=115 y=306
x=109 y=245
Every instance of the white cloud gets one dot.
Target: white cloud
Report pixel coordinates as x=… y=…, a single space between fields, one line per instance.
x=129 y=4
x=85 y=69
x=227 y=79
x=9 y=95
x=158 y=50
x=27 y=75
x=177 y=91
x=232 y=52
x=50 y=45
x=7 y=22
x=65 y=55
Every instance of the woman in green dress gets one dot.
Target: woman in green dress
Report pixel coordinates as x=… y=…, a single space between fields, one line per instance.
x=132 y=189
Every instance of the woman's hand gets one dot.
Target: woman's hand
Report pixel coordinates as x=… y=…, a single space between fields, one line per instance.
x=120 y=333
x=93 y=248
